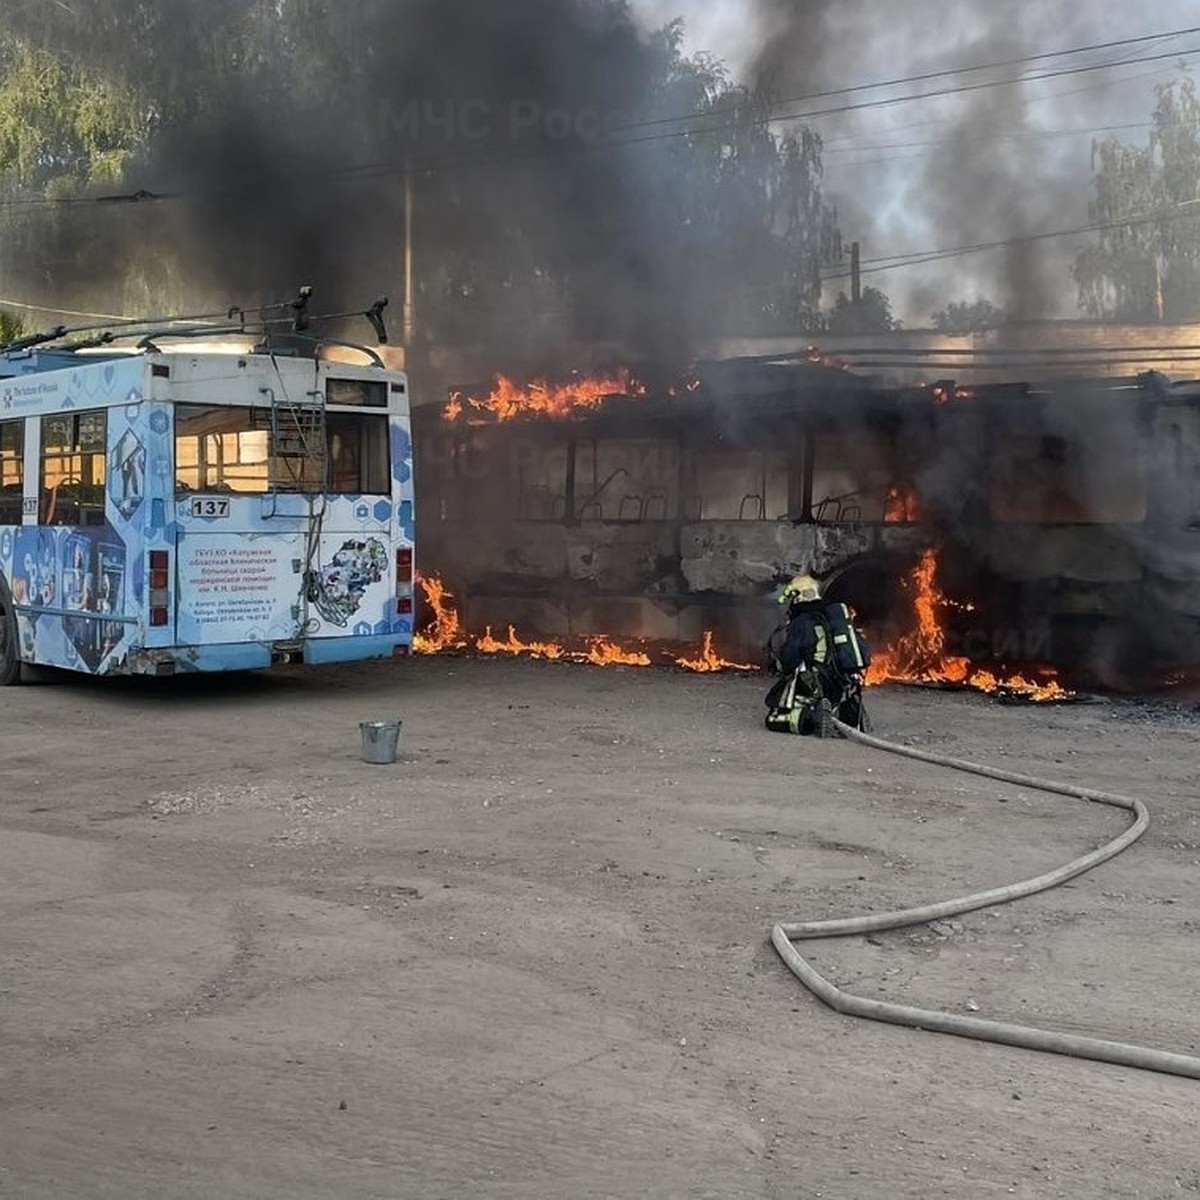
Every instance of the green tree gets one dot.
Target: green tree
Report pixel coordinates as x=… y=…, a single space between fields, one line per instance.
x=1145 y=263
x=967 y=317
x=63 y=128
x=11 y=327
x=254 y=108
x=870 y=314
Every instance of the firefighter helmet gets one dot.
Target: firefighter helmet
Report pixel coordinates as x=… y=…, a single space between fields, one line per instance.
x=803 y=589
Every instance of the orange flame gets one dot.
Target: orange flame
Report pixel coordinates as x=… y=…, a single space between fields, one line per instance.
x=710 y=661
x=920 y=655
x=944 y=393
x=508 y=400
x=819 y=358
x=901 y=507
x=445 y=631
x=487 y=644
x=603 y=653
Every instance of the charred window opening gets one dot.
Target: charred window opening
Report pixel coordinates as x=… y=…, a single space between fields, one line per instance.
x=12 y=471
x=1092 y=473
x=626 y=479
x=536 y=487
x=740 y=484
x=73 y=468
x=854 y=480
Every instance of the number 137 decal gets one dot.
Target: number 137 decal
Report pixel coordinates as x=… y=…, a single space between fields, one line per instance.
x=207 y=506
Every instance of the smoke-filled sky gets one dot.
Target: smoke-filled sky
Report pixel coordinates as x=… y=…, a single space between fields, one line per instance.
x=274 y=147
x=975 y=167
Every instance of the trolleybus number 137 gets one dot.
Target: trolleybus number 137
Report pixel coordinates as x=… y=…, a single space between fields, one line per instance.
x=206 y=506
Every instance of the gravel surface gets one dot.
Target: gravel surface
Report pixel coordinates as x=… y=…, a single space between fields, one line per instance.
x=531 y=958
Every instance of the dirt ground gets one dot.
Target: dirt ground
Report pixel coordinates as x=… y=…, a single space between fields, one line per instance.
x=531 y=958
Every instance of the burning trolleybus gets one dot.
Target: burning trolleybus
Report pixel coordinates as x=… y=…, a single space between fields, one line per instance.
x=165 y=512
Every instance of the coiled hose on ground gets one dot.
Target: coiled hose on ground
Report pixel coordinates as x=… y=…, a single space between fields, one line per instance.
x=1124 y=1054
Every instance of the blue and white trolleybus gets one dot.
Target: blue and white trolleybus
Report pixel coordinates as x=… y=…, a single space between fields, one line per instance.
x=178 y=510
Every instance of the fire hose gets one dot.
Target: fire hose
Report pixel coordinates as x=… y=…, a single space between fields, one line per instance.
x=1028 y=1037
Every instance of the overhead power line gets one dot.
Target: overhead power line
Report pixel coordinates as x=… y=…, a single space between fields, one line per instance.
x=979 y=87
x=1184 y=210
x=61 y=312
x=929 y=76
x=705 y=122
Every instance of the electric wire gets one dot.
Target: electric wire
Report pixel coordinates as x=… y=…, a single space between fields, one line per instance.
x=705 y=126
x=951 y=71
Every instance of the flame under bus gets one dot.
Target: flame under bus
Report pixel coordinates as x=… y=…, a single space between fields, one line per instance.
x=164 y=512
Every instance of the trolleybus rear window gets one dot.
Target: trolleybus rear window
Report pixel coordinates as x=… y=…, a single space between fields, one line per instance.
x=219 y=448
x=358 y=454
x=365 y=393
x=222 y=449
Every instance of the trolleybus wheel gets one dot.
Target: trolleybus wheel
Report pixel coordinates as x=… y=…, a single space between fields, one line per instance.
x=10 y=655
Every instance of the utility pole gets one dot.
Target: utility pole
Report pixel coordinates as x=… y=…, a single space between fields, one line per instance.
x=410 y=310
x=855 y=273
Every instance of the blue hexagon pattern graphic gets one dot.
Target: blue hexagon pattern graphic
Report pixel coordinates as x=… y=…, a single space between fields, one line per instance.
x=401 y=454
x=383 y=511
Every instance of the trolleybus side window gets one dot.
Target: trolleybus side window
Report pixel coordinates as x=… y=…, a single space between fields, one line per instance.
x=73 y=468
x=12 y=471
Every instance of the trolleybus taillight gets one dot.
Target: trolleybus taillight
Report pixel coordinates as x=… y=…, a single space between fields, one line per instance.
x=160 y=582
x=404 y=580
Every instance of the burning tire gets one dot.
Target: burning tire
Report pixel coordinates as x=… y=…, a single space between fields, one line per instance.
x=10 y=656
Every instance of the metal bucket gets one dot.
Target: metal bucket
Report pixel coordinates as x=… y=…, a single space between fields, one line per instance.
x=380 y=740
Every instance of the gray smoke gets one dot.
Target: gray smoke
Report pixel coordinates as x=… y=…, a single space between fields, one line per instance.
x=283 y=141
x=975 y=167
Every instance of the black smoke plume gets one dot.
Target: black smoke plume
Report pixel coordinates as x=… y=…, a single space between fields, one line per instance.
x=554 y=194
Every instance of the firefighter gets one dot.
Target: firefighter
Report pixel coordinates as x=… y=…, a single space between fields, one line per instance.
x=820 y=657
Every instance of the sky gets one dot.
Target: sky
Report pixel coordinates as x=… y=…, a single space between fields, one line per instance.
x=986 y=165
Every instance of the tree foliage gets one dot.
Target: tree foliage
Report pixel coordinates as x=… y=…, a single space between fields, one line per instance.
x=872 y=313
x=63 y=127
x=967 y=316
x=11 y=327
x=1145 y=264
x=286 y=124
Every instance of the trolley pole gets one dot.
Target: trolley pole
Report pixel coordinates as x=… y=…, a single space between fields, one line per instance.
x=410 y=310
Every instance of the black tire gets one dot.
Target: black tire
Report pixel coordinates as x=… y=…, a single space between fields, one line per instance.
x=10 y=648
